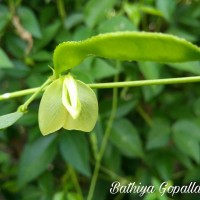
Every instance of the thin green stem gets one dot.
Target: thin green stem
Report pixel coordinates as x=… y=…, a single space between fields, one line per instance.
x=24 y=106
x=145 y=82
x=75 y=181
x=119 y=196
x=114 y=85
x=114 y=176
x=61 y=9
x=144 y=115
x=11 y=4
x=93 y=142
x=104 y=143
x=11 y=95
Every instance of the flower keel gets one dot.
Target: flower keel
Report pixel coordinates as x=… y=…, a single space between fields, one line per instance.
x=70 y=97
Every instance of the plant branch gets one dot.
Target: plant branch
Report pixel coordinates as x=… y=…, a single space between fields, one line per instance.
x=144 y=115
x=104 y=142
x=75 y=181
x=11 y=95
x=24 y=106
x=113 y=85
x=145 y=82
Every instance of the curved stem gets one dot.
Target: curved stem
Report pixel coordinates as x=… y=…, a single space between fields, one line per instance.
x=75 y=181
x=144 y=115
x=24 y=106
x=104 y=143
x=113 y=85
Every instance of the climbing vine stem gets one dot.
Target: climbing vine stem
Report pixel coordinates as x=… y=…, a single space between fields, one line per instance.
x=105 y=140
x=112 y=85
x=146 y=82
x=24 y=106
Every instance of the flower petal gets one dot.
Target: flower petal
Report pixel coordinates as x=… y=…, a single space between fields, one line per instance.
x=52 y=113
x=89 y=110
x=70 y=97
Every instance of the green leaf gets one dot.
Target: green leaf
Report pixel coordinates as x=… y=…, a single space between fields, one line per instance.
x=4 y=157
x=159 y=134
x=113 y=164
x=75 y=151
x=4 y=60
x=196 y=107
x=29 y=119
x=118 y=23
x=59 y=196
x=5 y=16
x=35 y=159
x=73 y=196
x=124 y=107
x=9 y=119
x=192 y=67
x=29 y=21
x=167 y=8
x=89 y=110
x=183 y=159
x=73 y=20
x=102 y=69
x=188 y=126
x=42 y=56
x=186 y=137
x=52 y=112
x=126 y=138
x=164 y=165
x=133 y=12
x=125 y=46
x=150 y=70
x=48 y=34
x=187 y=34
x=192 y=175
x=82 y=33
x=150 y=10
x=15 y=45
x=30 y=193
x=96 y=10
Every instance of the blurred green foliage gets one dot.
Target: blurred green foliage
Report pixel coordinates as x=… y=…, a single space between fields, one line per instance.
x=156 y=133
